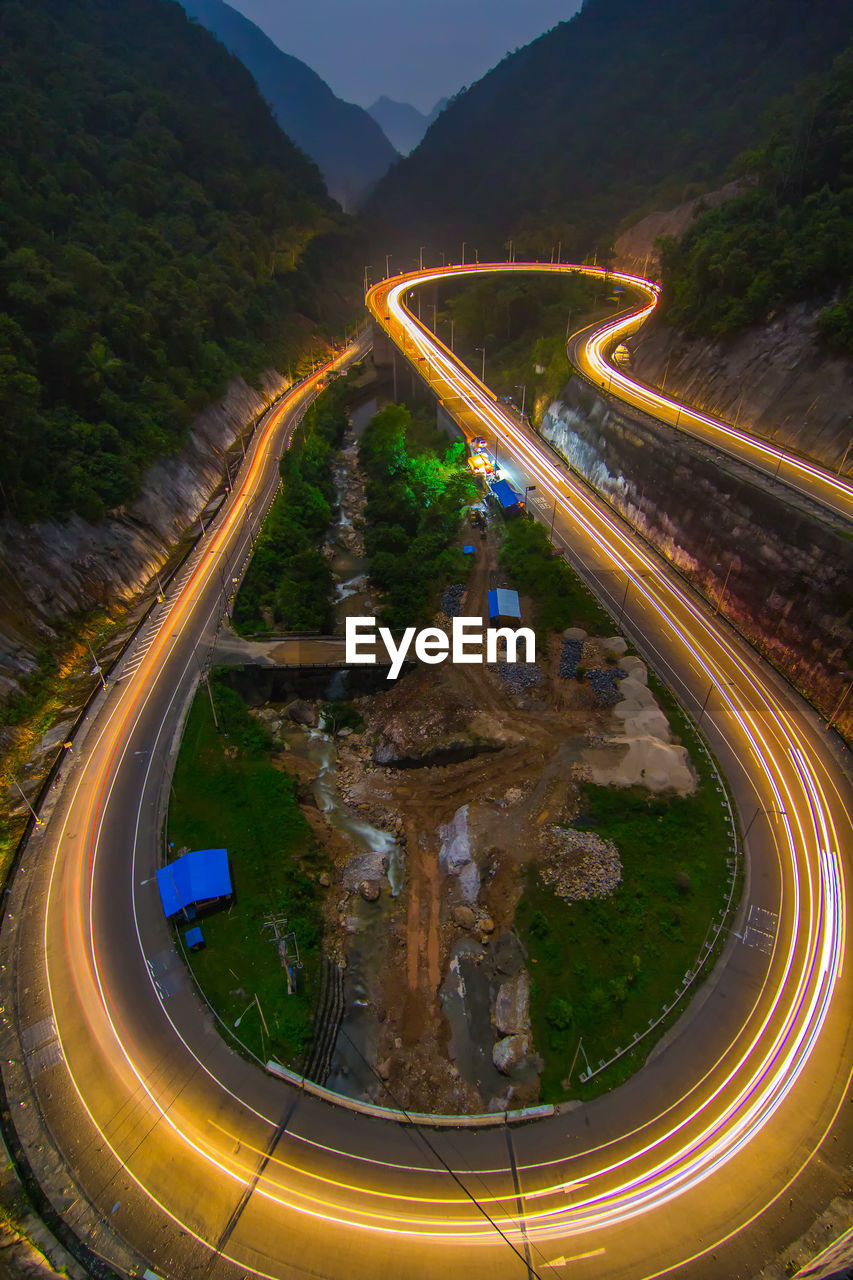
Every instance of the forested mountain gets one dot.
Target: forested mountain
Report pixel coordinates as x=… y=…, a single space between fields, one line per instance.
x=402 y=123
x=789 y=236
x=160 y=234
x=608 y=116
x=345 y=141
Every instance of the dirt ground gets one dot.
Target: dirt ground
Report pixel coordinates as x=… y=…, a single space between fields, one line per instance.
x=457 y=748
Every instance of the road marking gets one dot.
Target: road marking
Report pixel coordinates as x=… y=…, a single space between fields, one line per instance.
x=577 y=1257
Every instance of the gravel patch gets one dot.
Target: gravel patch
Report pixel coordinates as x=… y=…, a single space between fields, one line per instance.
x=579 y=865
x=451 y=601
x=602 y=680
x=519 y=675
x=570 y=656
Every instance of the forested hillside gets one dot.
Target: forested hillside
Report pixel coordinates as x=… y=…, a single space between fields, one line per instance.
x=160 y=234
x=788 y=237
x=345 y=140
x=632 y=105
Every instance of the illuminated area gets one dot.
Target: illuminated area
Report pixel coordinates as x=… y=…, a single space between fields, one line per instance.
x=223 y=1166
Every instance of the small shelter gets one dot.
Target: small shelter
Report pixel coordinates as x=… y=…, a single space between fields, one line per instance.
x=508 y=497
x=504 y=605
x=194 y=939
x=195 y=882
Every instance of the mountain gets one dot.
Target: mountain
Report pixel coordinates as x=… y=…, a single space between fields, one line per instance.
x=160 y=235
x=402 y=123
x=787 y=236
x=630 y=106
x=348 y=145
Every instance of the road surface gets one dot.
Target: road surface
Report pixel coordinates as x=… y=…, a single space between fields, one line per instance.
x=177 y=1154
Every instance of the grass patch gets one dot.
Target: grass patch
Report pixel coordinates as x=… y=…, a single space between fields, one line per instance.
x=560 y=598
x=602 y=969
x=227 y=793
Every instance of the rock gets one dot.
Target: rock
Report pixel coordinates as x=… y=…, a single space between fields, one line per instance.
x=512 y=1006
x=614 y=644
x=370 y=890
x=301 y=712
x=513 y=795
x=507 y=1053
x=324 y=879
x=579 y=865
x=345 y=732
x=574 y=633
x=384 y=1069
x=464 y=917
x=507 y=955
x=486 y=924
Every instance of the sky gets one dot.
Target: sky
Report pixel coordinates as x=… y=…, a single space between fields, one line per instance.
x=412 y=50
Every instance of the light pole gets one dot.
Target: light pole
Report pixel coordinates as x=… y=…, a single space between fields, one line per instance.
x=387 y=265
x=523 y=390
x=528 y=488
x=483 y=374
x=368 y=267
x=421 y=258
x=38 y=821
x=839 y=705
x=463 y=253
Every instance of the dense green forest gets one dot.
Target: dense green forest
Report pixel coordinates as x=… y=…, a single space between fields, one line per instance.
x=788 y=236
x=417 y=487
x=522 y=322
x=288 y=586
x=160 y=234
x=626 y=108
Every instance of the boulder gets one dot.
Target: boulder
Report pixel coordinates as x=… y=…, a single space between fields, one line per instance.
x=301 y=712
x=464 y=917
x=512 y=1006
x=614 y=644
x=370 y=890
x=507 y=1053
x=574 y=633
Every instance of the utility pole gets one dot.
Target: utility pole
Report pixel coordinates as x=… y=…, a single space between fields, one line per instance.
x=38 y=821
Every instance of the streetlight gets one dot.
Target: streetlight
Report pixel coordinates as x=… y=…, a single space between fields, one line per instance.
x=369 y=267
x=483 y=374
x=528 y=488
x=421 y=258
x=463 y=253
x=387 y=266
x=523 y=390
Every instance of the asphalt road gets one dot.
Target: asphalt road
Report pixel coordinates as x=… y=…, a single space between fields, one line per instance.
x=177 y=1152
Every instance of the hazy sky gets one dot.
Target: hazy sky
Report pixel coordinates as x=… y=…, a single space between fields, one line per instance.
x=413 y=50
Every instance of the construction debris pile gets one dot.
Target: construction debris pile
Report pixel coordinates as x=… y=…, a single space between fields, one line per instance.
x=578 y=864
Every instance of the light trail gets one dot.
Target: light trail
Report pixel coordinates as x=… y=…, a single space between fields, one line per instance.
x=211 y=1135
x=592 y=348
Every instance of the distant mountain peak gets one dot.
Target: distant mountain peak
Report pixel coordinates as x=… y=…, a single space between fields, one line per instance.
x=402 y=123
x=343 y=139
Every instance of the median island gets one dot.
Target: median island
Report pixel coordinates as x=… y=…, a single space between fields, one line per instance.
x=498 y=871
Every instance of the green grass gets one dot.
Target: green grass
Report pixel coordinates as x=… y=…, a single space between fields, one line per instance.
x=601 y=969
x=561 y=599
x=227 y=793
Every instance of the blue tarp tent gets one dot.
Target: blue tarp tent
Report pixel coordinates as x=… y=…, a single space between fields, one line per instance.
x=195 y=880
x=503 y=604
x=506 y=495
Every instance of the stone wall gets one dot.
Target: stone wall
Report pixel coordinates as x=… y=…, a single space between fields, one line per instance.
x=50 y=570
x=784 y=573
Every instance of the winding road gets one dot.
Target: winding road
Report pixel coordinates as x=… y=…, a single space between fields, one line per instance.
x=176 y=1154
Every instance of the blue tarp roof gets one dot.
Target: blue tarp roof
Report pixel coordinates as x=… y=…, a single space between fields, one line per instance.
x=194 y=938
x=470 y=550
x=503 y=604
x=505 y=494
x=196 y=877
